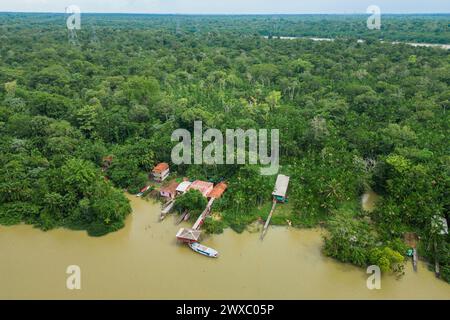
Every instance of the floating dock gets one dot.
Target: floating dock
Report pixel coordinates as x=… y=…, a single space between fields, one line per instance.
x=188 y=235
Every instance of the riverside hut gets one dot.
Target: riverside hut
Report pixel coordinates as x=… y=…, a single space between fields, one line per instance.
x=188 y=235
x=169 y=191
x=281 y=186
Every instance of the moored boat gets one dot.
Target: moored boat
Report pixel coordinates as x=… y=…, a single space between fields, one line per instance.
x=143 y=191
x=209 y=252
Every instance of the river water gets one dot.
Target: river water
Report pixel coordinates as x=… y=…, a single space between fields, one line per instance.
x=413 y=44
x=143 y=261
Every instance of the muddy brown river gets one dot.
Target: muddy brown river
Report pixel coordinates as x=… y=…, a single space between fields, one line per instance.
x=143 y=261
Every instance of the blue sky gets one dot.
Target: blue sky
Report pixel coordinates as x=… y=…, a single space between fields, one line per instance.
x=228 y=6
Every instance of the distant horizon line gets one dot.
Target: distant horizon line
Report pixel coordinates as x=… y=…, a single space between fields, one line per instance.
x=231 y=14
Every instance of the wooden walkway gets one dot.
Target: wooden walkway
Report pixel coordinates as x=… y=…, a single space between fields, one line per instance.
x=437 y=271
x=266 y=225
x=415 y=258
x=193 y=234
x=203 y=216
x=167 y=208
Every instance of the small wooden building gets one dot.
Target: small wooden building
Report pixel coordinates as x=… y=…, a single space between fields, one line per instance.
x=169 y=190
x=281 y=186
x=160 y=172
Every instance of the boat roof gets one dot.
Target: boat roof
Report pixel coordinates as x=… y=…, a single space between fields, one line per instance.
x=203 y=248
x=281 y=186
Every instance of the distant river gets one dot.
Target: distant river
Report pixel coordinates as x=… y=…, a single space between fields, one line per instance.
x=143 y=261
x=414 y=44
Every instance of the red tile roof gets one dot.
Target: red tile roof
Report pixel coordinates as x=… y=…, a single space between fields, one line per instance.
x=201 y=186
x=170 y=188
x=160 y=167
x=218 y=190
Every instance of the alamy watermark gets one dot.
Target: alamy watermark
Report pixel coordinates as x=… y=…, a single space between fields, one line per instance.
x=73 y=282
x=374 y=21
x=229 y=150
x=73 y=22
x=374 y=281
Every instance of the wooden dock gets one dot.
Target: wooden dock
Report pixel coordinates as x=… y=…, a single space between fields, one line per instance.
x=415 y=259
x=193 y=234
x=167 y=208
x=182 y=217
x=203 y=216
x=266 y=225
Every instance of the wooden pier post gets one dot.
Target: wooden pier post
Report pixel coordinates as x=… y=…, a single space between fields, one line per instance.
x=414 y=258
x=436 y=261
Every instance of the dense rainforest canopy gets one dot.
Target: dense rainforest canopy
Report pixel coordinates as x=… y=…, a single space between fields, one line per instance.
x=352 y=116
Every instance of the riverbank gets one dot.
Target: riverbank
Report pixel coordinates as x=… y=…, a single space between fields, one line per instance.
x=143 y=261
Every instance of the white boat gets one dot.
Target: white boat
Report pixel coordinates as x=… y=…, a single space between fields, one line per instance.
x=197 y=247
x=143 y=190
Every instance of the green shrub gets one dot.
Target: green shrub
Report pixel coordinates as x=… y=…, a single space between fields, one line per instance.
x=212 y=226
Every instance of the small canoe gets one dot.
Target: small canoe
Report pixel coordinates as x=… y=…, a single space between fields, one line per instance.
x=197 y=247
x=181 y=218
x=143 y=190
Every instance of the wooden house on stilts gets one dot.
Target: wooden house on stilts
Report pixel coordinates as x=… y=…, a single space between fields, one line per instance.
x=280 y=190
